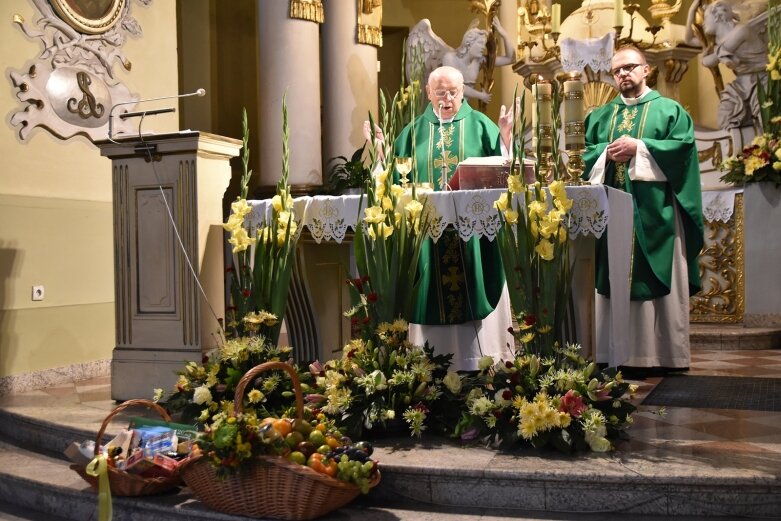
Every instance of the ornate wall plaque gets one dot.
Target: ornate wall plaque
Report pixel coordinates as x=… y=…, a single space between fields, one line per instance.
x=70 y=88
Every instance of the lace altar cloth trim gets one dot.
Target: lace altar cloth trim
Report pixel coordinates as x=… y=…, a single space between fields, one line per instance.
x=470 y=212
x=594 y=52
x=718 y=205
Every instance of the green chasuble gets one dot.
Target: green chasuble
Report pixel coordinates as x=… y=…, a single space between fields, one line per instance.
x=668 y=133
x=459 y=281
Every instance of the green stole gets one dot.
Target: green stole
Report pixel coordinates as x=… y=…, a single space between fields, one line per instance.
x=459 y=281
x=668 y=133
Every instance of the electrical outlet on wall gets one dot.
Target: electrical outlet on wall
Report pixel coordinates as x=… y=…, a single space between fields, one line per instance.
x=38 y=292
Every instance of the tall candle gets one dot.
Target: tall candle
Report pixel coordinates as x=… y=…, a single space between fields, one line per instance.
x=542 y=113
x=573 y=114
x=618 y=14
x=543 y=98
x=555 y=20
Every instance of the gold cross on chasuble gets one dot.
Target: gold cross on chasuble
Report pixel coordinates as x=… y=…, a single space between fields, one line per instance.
x=454 y=278
x=445 y=162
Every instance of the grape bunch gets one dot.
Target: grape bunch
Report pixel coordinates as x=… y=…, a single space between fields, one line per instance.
x=354 y=464
x=354 y=471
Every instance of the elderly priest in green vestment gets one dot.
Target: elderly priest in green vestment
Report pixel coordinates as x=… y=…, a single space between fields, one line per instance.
x=643 y=144
x=463 y=306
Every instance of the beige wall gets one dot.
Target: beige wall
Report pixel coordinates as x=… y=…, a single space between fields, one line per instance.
x=55 y=208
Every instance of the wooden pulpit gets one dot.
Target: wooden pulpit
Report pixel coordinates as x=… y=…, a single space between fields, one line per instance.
x=168 y=254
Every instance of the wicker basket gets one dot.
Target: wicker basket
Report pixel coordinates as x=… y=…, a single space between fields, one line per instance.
x=274 y=486
x=125 y=483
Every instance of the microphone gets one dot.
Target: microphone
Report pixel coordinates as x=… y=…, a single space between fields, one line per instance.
x=200 y=93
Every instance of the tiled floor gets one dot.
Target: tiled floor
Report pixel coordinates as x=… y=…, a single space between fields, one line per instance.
x=711 y=432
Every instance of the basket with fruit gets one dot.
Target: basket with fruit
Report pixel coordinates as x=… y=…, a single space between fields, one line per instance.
x=277 y=467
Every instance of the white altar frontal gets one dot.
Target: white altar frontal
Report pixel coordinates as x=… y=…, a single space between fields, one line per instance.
x=332 y=219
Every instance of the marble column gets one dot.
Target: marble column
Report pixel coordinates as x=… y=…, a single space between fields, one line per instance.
x=350 y=80
x=289 y=62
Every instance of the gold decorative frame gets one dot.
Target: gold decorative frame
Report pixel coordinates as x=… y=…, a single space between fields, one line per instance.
x=722 y=298
x=370 y=22
x=76 y=13
x=311 y=10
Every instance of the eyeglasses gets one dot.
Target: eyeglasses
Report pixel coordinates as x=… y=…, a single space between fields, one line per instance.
x=444 y=93
x=629 y=67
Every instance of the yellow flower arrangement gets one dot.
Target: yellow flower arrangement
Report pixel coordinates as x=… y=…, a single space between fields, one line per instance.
x=761 y=160
x=263 y=261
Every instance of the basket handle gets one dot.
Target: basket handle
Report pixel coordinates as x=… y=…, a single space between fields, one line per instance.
x=121 y=407
x=238 y=400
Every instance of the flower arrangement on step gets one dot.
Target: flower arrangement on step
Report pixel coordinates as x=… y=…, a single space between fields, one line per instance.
x=263 y=257
x=547 y=394
x=560 y=400
x=380 y=381
x=381 y=376
x=761 y=160
x=206 y=390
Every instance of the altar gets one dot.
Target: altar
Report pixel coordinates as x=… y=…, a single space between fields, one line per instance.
x=330 y=220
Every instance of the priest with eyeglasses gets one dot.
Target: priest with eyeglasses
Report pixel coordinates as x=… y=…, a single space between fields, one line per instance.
x=643 y=143
x=463 y=306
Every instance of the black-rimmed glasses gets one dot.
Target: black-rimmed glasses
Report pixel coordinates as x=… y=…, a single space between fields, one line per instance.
x=629 y=67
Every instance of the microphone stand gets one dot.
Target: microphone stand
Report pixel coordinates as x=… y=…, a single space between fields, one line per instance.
x=443 y=185
x=142 y=114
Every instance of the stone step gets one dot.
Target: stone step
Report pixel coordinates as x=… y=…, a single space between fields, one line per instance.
x=424 y=480
x=729 y=337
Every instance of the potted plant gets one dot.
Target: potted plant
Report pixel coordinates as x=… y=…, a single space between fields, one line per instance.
x=347 y=175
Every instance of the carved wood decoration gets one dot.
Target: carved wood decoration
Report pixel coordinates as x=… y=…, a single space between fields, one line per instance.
x=311 y=10
x=370 y=22
x=70 y=88
x=722 y=298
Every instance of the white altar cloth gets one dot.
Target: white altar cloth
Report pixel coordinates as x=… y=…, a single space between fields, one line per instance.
x=472 y=214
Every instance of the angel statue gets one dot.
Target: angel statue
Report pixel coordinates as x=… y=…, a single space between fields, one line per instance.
x=426 y=51
x=743 y=48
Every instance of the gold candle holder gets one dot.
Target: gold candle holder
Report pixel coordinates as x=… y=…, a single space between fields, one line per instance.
x=575 y=166
x=574 y=127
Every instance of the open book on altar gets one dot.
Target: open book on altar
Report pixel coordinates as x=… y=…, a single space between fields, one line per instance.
x=476 y=173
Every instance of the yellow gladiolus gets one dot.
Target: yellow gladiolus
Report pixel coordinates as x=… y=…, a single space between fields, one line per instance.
x=514 y=183
x=276 y=202
x=414 y=209
x=563 y=236
x=536 y=209
x=511 y=216
x=235 y=221
x=387 y=203
x=544 y=249
x=501 y=203
x=240 y=207
x=383 y=230
x=557 y=190
x=374 y=215
x=240 y=240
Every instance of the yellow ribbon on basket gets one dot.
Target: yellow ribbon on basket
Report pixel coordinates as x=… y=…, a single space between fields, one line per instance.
x=98 y=468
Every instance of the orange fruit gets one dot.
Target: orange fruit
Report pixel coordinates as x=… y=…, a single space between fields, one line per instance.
x=283 y=426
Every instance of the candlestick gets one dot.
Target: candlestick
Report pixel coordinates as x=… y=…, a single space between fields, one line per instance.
x=555 y=23
x=618 y=13
x=542 y=114
x=573 y=113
